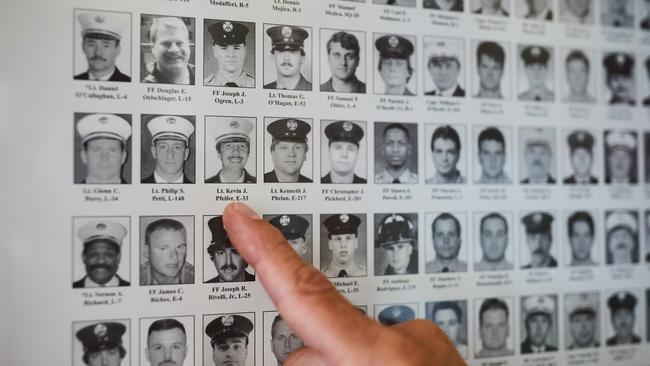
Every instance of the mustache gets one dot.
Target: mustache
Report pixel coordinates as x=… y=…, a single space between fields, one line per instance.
x=231 y=267
x=286 y=63
x=539 y=252
x=100 y=266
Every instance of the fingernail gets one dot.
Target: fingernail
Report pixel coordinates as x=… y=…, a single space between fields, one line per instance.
x=246 y=211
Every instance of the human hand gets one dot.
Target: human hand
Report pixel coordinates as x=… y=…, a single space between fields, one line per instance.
x=334 y=331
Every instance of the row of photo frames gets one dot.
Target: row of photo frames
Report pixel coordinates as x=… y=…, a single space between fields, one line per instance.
x=230 y=61
x=103 y=152
x=545 y=324
x=450 y=243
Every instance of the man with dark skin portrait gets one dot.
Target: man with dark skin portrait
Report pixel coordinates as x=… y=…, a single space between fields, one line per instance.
x=102 y=251
x=396 y=151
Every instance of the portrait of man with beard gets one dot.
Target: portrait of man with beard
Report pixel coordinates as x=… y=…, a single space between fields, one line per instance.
x=345 y=55
x=230 y=265
x=167 y=50
x=230 y=149
x=101 y=242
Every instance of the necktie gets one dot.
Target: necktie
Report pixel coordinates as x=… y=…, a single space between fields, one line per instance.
x=538 y=98
x=396 y=181
x=617 y=23
x=231 y=84
x=391 y=2
x=445 y=269
x=343 y=273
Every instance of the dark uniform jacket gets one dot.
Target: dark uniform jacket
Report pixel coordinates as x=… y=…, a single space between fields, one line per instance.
x=217 y=178
x=151 y=179
x=552 y=263
x=157 y=77
x=80 y=283
x=355 y=179
x=526 y=347
x=411 y=269
x=549 y=180
x=458 y=92
x=247 y=278
x=122 y=181
x=431 y=4
x=271 y=177
x=359 y=87
x=303 y=84
x=117 y=76
x=613 y=342
x=572 y=180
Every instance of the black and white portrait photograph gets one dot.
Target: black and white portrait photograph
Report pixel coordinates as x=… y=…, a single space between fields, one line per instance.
x=166 y=250
x=491 y=72
x=405 y=3
x=345 y=69
x=495 y=8
x=287 y=57
x=445 y=160
x=229 y=339
x=298 y=230
x=581 y=157
x=444 y=5
x=230 y=149
x=221 y=260
x=167 y=50
x=228 y=53
x=452 y=318
x=102 y=148
x=343 y=152
x=577 y=12
x=493 y=157
x=396 y=243
x=647 y=236
x=622 y=236
x=538 y=237
x=167 y=341
x=538 y=152
x=578 y=69
x=644 y=15
x=617 y=13
x=393 y=314
x=494 y=335
x=537 y=10
x=167 y=149
x=446 y=242
x=582 y=316
x=101 y=342
x=494 y=237
x=396 y=153
x=343 y=248
x=646 y=161
x=621 y=154
x=538 y=324
x=619 y=79
x=287 y=158
x=623 y=320
x=535 y=73
x=445 y=62
x=279 y=339
x=102 y=45
x=582 y=238
x=101 y=251
x=644 y=79
x=395 y=64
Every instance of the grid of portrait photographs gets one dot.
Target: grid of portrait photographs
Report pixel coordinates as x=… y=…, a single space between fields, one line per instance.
x=457 y=172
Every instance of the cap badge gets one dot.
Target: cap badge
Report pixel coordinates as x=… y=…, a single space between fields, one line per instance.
x=393 y=41
x=537 y=217
x=103 y=120
x=101 y=226
x=100 y=330
x=227 y=26
x=171 y=120
x=581 y=136
x=100 y=19
x=347 y=126
x=396 y=312
x=234 y=125
x=292 y=124
x=285 y=220
x=286 y=32
x=620 y=59
x=227 y=321
x=535 y=51
x=344 y=218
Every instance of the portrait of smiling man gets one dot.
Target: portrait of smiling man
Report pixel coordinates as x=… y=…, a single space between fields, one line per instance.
x=101 y=44
x=229 y=54
x=230 y=265
x=166 y=243
x=345 y=54
x=231 y=338
x=289 y=150
x=167 y=341
x=103 y=144
x=167 y=50
x=289 y=58
x=230 y=149
x=170 y=140
x=101 y=251
x=344 y=150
